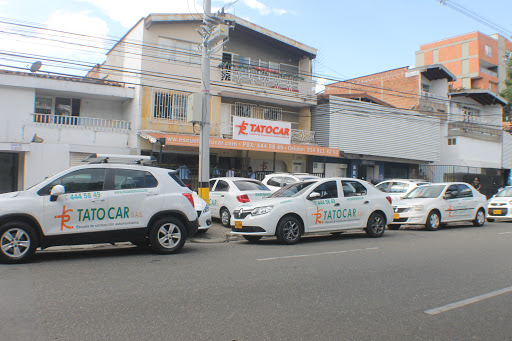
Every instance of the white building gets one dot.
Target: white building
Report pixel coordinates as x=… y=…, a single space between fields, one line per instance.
x=49 y=123
x=473 y=143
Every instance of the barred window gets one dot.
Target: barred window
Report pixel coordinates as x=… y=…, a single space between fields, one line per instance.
x=244 y=109
x=272 y=113
x=169 y=105
x=469 y=114
x=260 y=112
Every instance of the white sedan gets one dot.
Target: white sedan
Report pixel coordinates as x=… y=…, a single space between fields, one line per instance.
x=204 y=216
x=500 y=205
x=329 y=205
x=276 y=181
x=440 y=203
x=227 y=193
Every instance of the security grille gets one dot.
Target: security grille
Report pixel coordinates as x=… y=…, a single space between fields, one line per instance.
x=169 y=105
x=261 y=112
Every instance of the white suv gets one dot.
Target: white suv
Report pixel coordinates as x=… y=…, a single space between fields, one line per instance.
x=98 y=203
x=276 y=181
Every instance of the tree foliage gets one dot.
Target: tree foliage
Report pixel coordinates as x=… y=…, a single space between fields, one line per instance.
x=507 y=93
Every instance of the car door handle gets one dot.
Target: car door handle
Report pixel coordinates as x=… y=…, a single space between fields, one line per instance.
x=98 y=200
x=151 y=194
x=366 y=202
x=222 y=196
x=337 y=204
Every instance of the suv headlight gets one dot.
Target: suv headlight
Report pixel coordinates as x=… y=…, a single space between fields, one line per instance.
x=417 y=208
x=206 y=209
x=261 y=210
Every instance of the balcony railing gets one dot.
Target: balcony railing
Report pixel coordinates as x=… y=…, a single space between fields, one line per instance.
x=267 y=79
x=464 y=124
x=489 y=72
x=81 y=122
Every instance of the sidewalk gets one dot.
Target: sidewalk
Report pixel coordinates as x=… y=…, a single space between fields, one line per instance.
x=215 y=234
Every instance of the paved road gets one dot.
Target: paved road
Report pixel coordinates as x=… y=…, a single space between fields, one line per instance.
x=325 y=288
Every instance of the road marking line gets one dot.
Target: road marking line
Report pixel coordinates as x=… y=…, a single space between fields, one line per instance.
x=467 y=301
x=317 y=254
x=504 y=232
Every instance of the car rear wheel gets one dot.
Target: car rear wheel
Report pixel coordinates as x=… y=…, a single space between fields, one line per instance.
x=252 y=239
x=18 y=242
x=394 y=226
x=479 y=218
x=167 y=235
x=433 y=221
x=225 y=217
x=376 y=225
x=289 y=230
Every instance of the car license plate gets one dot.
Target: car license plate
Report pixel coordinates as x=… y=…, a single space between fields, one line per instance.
x=396 y=216
x=496 y=212
x=238 y=224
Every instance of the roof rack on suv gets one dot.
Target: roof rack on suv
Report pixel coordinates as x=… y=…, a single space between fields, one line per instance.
x=115 y=158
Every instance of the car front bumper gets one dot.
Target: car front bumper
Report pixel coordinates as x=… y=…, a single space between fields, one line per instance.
x=410 y=217
x=259 y=225
x=499 y=212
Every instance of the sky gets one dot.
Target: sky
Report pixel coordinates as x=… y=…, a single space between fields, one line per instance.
x=353 y=38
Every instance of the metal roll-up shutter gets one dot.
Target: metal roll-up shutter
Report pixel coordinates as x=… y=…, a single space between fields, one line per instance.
x=75 y=158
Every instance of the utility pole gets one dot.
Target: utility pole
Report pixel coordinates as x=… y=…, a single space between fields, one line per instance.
x=215 y=32
x=204 y=139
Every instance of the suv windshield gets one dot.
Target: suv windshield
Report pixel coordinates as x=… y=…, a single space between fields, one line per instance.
x=248 y=185
x=507 y=192
x=431 y=191
x=292 y=190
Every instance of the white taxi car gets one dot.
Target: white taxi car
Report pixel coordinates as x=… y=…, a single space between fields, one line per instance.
x=227 y=193
x=276 y=181
x=204 y=215
x=98 y=203
x=500 y=206
x=398 y=188
x=439 y=203
x=324 y=205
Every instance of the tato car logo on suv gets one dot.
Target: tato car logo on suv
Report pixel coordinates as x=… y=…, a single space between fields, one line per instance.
x=64 y=218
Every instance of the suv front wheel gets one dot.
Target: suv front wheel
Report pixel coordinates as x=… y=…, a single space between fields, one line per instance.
x=167 y=235
x=18 y=242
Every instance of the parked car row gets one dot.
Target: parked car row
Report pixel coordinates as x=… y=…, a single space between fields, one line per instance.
x=104 y=202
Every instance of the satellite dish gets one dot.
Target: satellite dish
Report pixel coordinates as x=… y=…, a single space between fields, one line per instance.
x=36 y=66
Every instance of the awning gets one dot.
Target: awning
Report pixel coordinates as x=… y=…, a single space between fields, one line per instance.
x=193 y=141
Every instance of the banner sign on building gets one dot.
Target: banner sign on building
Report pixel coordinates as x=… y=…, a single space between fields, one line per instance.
x=193 y=141
x=252 y=129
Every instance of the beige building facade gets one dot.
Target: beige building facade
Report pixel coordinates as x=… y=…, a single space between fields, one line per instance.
x=257 y=74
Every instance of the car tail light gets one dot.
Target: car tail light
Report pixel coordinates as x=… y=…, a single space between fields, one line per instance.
x=389 y=199
x=243 y=198
x=189 y=197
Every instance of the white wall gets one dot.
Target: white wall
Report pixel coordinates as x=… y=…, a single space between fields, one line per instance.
x=16 y=107
x=43 y=160
x=107 y=110
x=471 y=152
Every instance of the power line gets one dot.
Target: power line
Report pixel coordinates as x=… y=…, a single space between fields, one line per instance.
x=159 y=49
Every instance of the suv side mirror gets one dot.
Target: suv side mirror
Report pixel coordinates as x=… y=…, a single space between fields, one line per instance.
x=56 y=191
x=313 y=195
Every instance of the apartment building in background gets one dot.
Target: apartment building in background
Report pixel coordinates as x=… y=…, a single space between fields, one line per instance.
x=49 y=123
x=411 y=109
x=258 y=75
x=477 y=60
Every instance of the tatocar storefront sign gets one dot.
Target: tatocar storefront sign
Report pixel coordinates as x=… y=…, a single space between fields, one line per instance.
x=252 y=129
